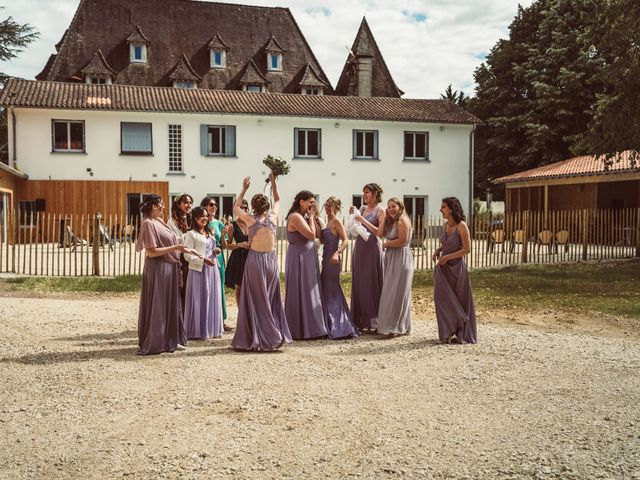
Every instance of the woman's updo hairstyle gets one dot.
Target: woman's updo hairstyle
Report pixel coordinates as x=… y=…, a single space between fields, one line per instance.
x=259 y=204
x=335 y=203
x=149 y=202
x=375 y=189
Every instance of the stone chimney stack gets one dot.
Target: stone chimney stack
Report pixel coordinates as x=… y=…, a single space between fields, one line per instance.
x=365 y=75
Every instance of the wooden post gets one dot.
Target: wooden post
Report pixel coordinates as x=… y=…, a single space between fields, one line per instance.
x=525 y=226
x=585 y=232
x=638 y=232
x=96 y=244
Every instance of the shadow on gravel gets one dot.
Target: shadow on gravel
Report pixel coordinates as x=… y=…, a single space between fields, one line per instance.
x=96 y=337
x=393 y=345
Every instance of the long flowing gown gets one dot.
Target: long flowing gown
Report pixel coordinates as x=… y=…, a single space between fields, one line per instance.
x=237 y=259
x=160 y=321
x=367 y=272
x=337 y=316
x=262 y=324
x=455 y=310
x=203 y=300
x=302 y=303
x=217 y=226
x=394 y=315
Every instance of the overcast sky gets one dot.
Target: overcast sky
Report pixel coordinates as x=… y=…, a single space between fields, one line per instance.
x=427 y=44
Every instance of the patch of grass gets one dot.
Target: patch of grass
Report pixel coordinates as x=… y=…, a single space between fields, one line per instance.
x=126 y=283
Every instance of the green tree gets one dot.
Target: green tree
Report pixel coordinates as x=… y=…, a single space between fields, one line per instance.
x=457 y=97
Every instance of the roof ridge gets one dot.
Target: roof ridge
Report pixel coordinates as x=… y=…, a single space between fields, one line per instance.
x=65 y=37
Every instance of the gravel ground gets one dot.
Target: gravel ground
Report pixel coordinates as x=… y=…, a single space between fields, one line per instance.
x=541 y=396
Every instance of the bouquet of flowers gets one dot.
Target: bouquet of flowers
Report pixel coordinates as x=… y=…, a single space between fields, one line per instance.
x=277 y=166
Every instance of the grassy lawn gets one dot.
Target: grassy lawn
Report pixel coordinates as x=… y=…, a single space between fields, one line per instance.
x=611 y=287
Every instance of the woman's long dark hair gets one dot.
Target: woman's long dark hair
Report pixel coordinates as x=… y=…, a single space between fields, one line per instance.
x=149 y=202
x=389 y=222
x=196 y=213
x=181 y=221
x=456 y=209
x=302 y=195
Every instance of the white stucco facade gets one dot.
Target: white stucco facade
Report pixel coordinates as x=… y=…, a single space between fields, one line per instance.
x=447 y=173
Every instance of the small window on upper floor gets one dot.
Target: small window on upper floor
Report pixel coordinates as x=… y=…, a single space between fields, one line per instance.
x=98 y=80
x=365 y=144
x=67 y=136
x=138 y=53
x=252 y=88
x=184 y=84
x=218 y=59
x=416 y=146
x=274 y=62
x=312 y=91
x=136 y=138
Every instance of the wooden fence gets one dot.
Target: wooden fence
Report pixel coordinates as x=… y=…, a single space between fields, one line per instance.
x=86 y=245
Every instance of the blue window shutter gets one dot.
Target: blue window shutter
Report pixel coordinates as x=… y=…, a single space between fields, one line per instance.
x=231 y=141
x=204 y=147
x=375 y=144
x=295 y=142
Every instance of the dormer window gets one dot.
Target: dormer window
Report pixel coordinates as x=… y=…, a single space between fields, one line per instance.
x=274 y=62
x=312 y=91
x=138 y=53
x=253 y=88
x=218 y=59
x=91 y=80
x=184 y=84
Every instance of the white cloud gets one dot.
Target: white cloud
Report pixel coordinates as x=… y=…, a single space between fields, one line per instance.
x=427 y=44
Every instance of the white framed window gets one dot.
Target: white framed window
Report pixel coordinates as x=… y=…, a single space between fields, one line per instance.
x=138 y=53
x=365 y=144
x=218 y=59
x=307 y=142
x=175 y=148
x=67 y=136
x=415 y=206
x=218 y=140
x=98 y=80
x=136 y=138
x=27 y=213
x=312 y=91
x=252 y=88
x=184 y=84
x=416 y=146
x=274 y=62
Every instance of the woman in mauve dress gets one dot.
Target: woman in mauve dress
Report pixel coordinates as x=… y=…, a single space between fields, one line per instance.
x=262 y=324
x=394 y=315
x=179 y=223
x=203 y=307
x=302 y=303
x=455 y=311
x=366 y=268
x=239 y=246
x=160 y=323
x=219 y=230
x=337 y=316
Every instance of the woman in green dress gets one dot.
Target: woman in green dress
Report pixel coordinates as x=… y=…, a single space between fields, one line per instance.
x=219 y=230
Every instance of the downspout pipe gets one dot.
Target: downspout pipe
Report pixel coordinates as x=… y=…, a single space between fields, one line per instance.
x=13 y=138
x=471 y=148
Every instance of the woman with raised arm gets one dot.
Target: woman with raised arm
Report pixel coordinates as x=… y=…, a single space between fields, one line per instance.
x=219 y=230
x=179 y=223
x=394 y=315
x=239 y=246
x=337 y=316
x=160 y=321
x=455 y=311
x=302 y=303
x=262 y=324
x=367 y=266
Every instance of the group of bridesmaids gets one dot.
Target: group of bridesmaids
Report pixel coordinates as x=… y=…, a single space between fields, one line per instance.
x=183 y=283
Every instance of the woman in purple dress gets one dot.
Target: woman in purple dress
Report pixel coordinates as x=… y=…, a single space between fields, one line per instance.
x=455 y=310
x=203 y=299
x=160 y=322
x=367 y=267
x=179 y=223
x=337 y=317
x=262 y=325
x=302 y=303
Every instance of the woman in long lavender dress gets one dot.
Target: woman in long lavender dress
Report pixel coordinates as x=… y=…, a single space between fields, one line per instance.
x=262 y=324
x=394 y=315
x=302 y=303
x=367 y=269
x=179 y=222
x=455 y=310
x=160 y=321
x=203 y=306
x=337 y=316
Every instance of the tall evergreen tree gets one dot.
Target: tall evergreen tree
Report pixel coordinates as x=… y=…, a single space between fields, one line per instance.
x=457 y=97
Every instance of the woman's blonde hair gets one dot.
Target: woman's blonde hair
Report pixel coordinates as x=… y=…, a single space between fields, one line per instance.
x=335 y=203
x=390 y=222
